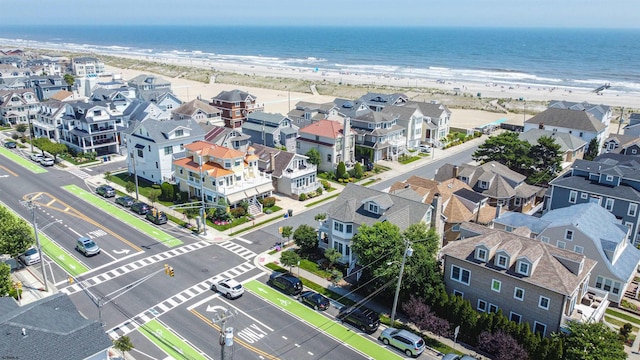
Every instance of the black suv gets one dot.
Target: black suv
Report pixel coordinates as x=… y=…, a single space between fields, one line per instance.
x=140 y=208
x=362 y=318
x=286 y=283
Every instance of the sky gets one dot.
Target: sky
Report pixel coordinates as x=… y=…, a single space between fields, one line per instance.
x=471 y=13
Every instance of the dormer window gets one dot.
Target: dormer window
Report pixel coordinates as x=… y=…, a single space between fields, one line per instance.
x=502 y=261
x=483 y=184
x=373 y=208
x=609 y=177
x=523 y=268
x=481 y=254
x=568 y=235
x=179 y=132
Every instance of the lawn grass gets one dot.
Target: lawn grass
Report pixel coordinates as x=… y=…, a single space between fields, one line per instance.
x=624 y=316
x=408 y=159
x=322 y=200
x=618 y=323
x=314 y=268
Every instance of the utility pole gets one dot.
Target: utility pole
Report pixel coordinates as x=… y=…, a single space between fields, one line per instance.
x=408 y=251
x=135 y=173
x=226 y=333
x=621 y=120
x=34 y=218
x=203 y=210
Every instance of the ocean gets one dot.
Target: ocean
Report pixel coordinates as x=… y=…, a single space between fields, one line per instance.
x=569 y=58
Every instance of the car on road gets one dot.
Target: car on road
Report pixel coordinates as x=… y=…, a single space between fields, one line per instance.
x=47 y=161
x=156 y=216
x=30 y=257
x=36 y=157
x=315 y=300
x=87 y=246
x=106 y=191
x=10 y=145
x=364 y=319
x=453 y=356
x=286 y=283
x=229 y=288
x=125 y=201
x=406 y=341
x=140 y=208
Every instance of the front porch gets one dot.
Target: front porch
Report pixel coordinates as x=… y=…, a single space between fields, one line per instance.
x=590 y=308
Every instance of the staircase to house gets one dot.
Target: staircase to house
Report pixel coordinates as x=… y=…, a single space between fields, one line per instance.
x=255 y=208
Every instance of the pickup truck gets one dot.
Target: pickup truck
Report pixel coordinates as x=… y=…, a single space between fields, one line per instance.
x=157 y=217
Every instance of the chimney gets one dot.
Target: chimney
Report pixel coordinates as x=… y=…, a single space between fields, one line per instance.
x=24 y=332
x=436 y=218
x=541 y=126
x=272 y=161
x=455 y=171
x=498 y=210
x=346 y=132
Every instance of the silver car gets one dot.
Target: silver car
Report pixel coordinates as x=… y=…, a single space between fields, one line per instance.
x=410 y=343
x=87 y=247
x=229 y=288
x=30 y=257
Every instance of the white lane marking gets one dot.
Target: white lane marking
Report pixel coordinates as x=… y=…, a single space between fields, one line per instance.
x=244 y=240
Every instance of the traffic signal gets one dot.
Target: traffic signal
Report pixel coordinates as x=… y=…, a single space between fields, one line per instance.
x=170 y=271
x=166 y=269
x=70 y=279
x=18 y=285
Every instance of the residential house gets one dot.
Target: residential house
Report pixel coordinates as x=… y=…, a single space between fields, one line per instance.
x=633 y=128
x=610 y=180
x=120 y=97
x=622 y=144
x=152 y=146
x=91 y=127
x=138 y=110
x=378 y=136
x=87 y=67
x=379 y=101
x=273 y=130
x=436 y=118
x=601 y=112
x=164 y=99
x=235 y=106
x=146 y=82
x=47 y=86
x=45 y=66
x=529 y=280
x=65 y=96
x=212 y=172
x=357 y=205
x=410 y=119
x=50 y=328
x=578 y=123
x=13 y=78
x=48 y=121
x=571 y=147
x=454 y=203
x=199 y=111
x=328 y=137
x=226 y=137
x=292 y=174
x=307 y=113
x=500 y=184
x=18 y=106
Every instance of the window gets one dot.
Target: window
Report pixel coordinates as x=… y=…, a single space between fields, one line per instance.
x=516 y=201
x=515 y=317
x=608 y=204
x=481 y=254
x=458 y=293
x=518 y=294
x=543 y=303
x=168 y=150
x=609 y=177
x=140 y=153
x=460 y=275
x=179 y=132
x=482 y=305
x=508 y=228
x=483 y=184
x=373 y=208
x=349 y=228
x=523 y=268
x=544 y=239
x=338 y=226
x=633 y=210
x=328 y=157
x=568 y=235
x=539 y=328
x=496 y=285
x=573 y=195
x=493 y=308
x=501 y=261
x=227 y=164
x=578 y=249
x=237 y=162
x=584 y=195
x=562 y=245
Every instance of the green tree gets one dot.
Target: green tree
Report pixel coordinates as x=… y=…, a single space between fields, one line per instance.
x=130 y=187
x=506 y=149
x=592 y=150
x=546 y=159
x=357 y=171
x=21 y=128
x=154 y=195
x=591 y=341
x=314 y=156
x=306 y=238
x=167 y=192
x=341 y=170
x=287 y=231
x=5 y=279
x=289 y=259
x=69 y=79
x=320 y=216
x=333 y=256
x=57 y=149
x=16 y=236
x=124 y=344
x=107 y=176
x=190 y=214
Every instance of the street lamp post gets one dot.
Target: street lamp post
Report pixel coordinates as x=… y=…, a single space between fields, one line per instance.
x=31 y=206
x=408 y=251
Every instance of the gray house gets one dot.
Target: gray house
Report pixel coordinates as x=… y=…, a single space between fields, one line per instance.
x=47 y=86
x=271 y=130
x=610 y=180
x=50 y=328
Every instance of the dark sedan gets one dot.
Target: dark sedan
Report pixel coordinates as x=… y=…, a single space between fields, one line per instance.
x=315 y=300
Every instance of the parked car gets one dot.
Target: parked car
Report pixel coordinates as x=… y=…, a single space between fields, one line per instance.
x=364 y=319
x=47 y=161
x=453 y=356
x=106 y=191
x=424 y=148
x=125 y=201
x=229 y=288
x=286 y=283
x=156 y=216
x=410 y=343
x=315 y=300
x=30 y=257
x=140 y=208
x=87 y=247
x=36 y=157
x=10 y=145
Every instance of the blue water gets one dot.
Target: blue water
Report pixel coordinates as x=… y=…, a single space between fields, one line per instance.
x=556 y=57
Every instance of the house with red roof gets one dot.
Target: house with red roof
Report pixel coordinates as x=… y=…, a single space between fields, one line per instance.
x=335 y=141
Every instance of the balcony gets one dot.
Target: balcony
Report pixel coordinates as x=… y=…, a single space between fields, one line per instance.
x=305 y=189
x=300 y=170
x=591 y=307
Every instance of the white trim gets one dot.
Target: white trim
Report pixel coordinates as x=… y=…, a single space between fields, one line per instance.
x=514 y=313
x=486 y=306
x=540 y=302
x=458 y=293
x=462 y=270
x=544 y=331
x=515 y=291
x=493 y=282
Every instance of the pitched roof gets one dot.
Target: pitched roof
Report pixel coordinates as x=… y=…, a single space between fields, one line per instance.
x=234 y=96
x=597 y=110
x=159 y=131
x=61 y=95
x=567 y=141
x=433 y=110
x=53 y=328
x=207 y=149
x=572 y=119
x=549 y=273
x=195 y=105
x=214 y=170
x=324 y=128
x=282 y=159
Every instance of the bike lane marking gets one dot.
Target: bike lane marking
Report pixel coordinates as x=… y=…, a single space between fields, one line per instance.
x=61 y=257
x=169 y=342
x=29 y=165
x=140 y=224
x=327 y=325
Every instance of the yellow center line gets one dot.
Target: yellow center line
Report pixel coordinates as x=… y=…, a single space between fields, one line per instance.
x=236 y=340
x=9 y=171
